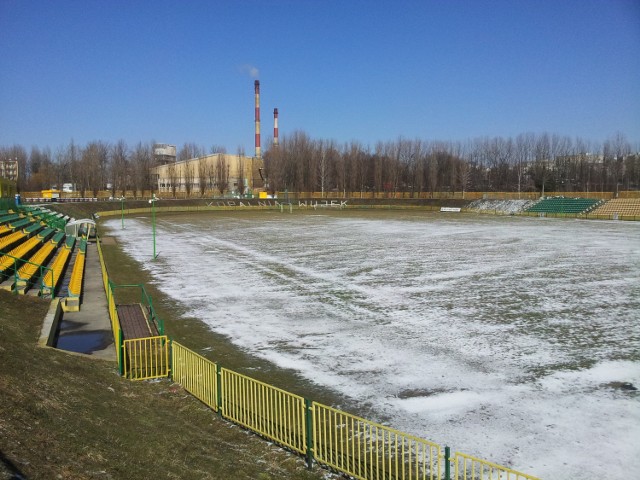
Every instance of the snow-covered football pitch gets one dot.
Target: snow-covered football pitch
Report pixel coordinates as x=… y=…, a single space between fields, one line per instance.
x=513 y=339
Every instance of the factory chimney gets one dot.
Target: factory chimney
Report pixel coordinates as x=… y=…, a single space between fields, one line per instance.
x=275 y=127
x=257 y=88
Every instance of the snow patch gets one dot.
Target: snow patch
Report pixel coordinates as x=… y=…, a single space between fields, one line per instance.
x=502 y=337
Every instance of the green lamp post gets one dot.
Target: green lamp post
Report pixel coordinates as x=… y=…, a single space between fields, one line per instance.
x=153 y=222
x=122 y=211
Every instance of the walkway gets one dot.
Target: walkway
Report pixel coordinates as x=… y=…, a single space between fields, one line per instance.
x=134 y=323
x=89 y=330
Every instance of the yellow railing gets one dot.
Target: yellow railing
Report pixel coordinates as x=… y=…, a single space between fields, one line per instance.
x=113 y=311
x=345 y=442
x=115 y=324
x=145 y=358
x=267 y=410
x=196 y=374
x=367 y=450
x=471 y=468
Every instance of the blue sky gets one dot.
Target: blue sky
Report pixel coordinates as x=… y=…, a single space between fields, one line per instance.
x=177 y=72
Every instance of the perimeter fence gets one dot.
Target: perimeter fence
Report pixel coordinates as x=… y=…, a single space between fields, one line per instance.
x=322 y=434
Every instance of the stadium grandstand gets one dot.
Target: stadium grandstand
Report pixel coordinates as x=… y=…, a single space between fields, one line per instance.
x=37 y=254
x=618 y=207
x=564 y=205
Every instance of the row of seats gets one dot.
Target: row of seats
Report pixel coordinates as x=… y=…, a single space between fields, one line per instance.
x=560 y=205
x=6 y=219
x=44 y=215
x=77 y=274
x=20 y=223
x=619 y=206
x=21 y=231
x=53 y=276
x=10 y=240
x=41 y=257
x=23 y=251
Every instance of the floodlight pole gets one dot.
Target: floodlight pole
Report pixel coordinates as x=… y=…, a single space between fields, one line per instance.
x=122 y=211
x=153 y=222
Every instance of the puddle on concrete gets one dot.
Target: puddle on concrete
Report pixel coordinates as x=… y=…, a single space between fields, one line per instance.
x=68 y=325
x=84 y=342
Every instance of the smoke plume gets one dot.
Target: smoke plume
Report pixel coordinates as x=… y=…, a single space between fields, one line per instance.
x=251 y=70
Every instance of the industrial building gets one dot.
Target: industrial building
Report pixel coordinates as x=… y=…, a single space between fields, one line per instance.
x=217 y=174
x=164 y=153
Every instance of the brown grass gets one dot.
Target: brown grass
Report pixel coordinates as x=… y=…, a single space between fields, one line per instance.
x=65 y=416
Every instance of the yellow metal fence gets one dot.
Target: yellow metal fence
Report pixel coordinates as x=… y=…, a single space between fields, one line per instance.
x=350 y=444
x=113 y=312
x=267 y=410
x=273 y=413
x=146 y=358
x=472 y=468
x=196 y=374
x=368 y=450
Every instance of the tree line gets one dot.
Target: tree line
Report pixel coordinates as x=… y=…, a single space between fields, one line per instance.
x=93 y=167
x=527 y=163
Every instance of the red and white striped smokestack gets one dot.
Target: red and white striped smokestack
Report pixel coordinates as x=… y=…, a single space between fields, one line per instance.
x=275 y=127
x=257 y=88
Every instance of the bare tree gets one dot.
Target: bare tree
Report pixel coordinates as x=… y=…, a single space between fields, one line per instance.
x=188 y=170
x=415 y=168
x=41 y=172
x=222 y=174
x=241 y=168
x=522 y=156
x=141 y=163
x=614 y=151
x=540 y=170
x=73 y=163
x=325 y=153
x=463 y=170
x=379 y=158
x=189 y=151
x=172 y=173
x=273 y=171
x=217 y=149
x=210 y=172
x=202 y=175
x=432 y=169
x=119 y=171
x=394 y=168
x=93 y=173
x=357 y=162
x=342 y=169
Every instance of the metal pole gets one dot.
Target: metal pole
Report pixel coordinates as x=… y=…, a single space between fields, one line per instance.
x=447 y=465
x=308 y=413
x=122 y=211
x=153 y=223
x=219 y=389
